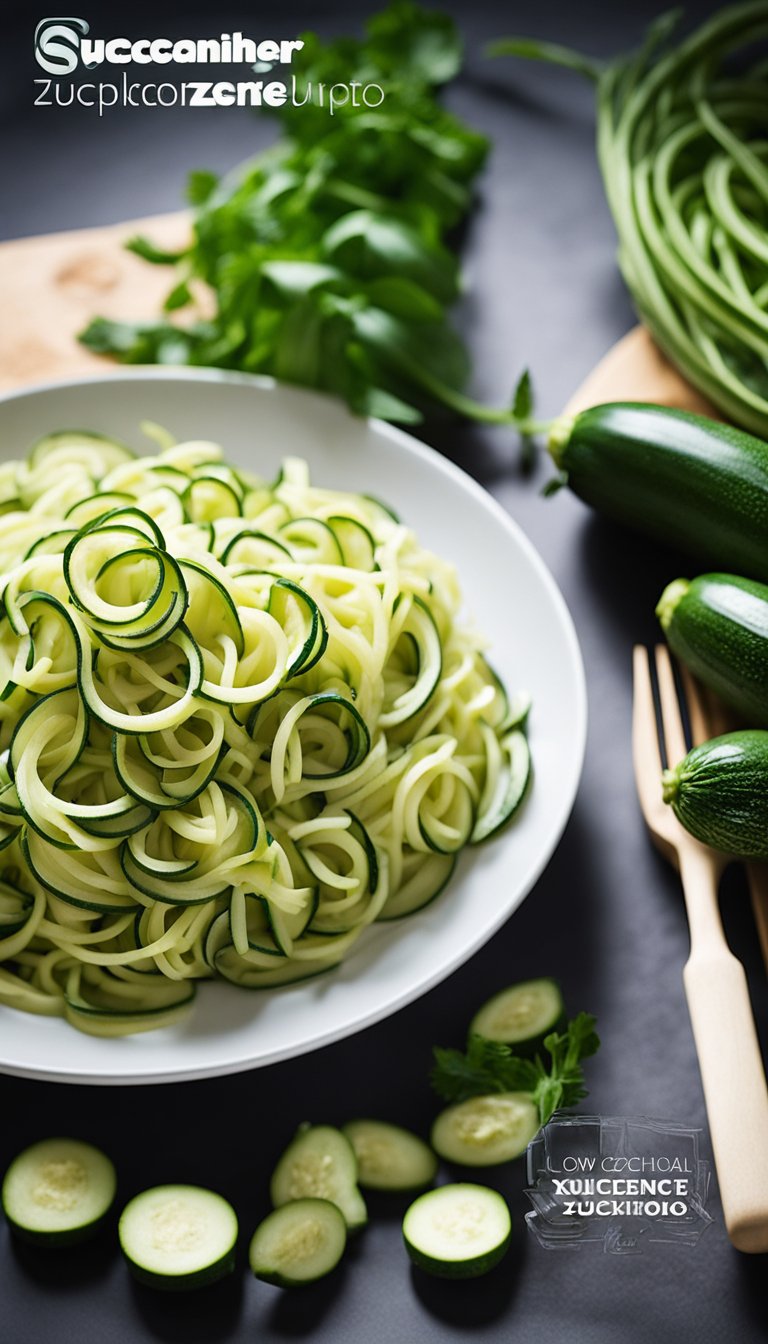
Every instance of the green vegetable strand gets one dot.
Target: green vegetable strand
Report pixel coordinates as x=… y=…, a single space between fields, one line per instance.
x=324 y=259
x=682 y=148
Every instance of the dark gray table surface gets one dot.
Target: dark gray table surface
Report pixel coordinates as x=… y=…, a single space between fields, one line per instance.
x=606 y=917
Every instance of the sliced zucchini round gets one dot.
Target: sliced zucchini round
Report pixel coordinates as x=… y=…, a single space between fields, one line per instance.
x=390 y=1158
x=521 y=1015
x=178 y=1236
x=298 y=1243
x=58 y=1192
x=484 y=1131
x=457 y=1231
x=320 y=1163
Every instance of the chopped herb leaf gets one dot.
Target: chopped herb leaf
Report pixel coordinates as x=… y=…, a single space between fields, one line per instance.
x=490 y=1066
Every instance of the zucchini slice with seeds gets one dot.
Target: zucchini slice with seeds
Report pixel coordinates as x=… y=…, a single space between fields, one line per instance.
x=521 y=1015
x=178 y=1236
x=388 y=1157
x=298 y=1243
x=457 y=1231
x=58 y=1192
x=486 y=1130
x=320 y=1163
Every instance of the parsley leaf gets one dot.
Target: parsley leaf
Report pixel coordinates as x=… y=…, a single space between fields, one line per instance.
x=486 y=1066
x=490 y=1066
x=421 y=42
x=563 y=1083
x=200 y=186
x=522 y=401
x=146 y=249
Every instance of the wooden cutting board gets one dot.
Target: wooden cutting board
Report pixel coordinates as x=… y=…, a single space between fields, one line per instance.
x=52 y=285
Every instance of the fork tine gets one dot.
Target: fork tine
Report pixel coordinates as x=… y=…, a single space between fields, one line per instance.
x=674 y=733
x=706 y=711
x=719 y=718
x=699 y=715
x=645 y=742
x=707 y=714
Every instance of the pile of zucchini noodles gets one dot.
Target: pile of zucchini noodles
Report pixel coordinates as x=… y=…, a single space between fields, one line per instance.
x=238 y=723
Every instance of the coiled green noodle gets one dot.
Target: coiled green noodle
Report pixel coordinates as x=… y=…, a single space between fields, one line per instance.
x=238 y=723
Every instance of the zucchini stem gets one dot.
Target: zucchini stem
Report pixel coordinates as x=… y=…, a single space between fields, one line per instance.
x=558 y=438
x=670 y=599
x=670 y=784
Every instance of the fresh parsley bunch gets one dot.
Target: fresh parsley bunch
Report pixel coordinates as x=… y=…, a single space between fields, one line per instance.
x=326 y=261
x=489 y=1066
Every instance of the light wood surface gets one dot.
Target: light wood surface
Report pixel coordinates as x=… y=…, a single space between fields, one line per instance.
x=634 y=369
x=53 y=285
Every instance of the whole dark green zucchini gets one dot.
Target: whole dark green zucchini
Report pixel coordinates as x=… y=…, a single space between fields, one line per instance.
x=717 y=625
x=690 y=482
x=719 y=792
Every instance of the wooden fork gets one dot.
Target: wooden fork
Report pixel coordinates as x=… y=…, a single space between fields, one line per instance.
x=715 y=984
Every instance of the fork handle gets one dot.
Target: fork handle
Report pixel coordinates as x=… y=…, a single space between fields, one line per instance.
x=734 y=1089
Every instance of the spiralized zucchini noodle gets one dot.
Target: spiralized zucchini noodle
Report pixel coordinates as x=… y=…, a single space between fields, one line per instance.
x=239 y=722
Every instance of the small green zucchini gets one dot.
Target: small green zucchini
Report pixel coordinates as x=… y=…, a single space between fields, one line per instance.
x=719 y=792
x=717 y=625
x=688 y=481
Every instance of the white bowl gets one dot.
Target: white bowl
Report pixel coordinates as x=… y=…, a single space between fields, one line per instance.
x=508 y=591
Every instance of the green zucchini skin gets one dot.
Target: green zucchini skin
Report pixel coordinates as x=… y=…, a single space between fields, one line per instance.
x=718 y=626
x=719 y=792
x=683 y=479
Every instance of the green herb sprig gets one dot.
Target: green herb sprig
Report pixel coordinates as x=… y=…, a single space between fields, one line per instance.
x=325 y=258
x=489 y=1066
